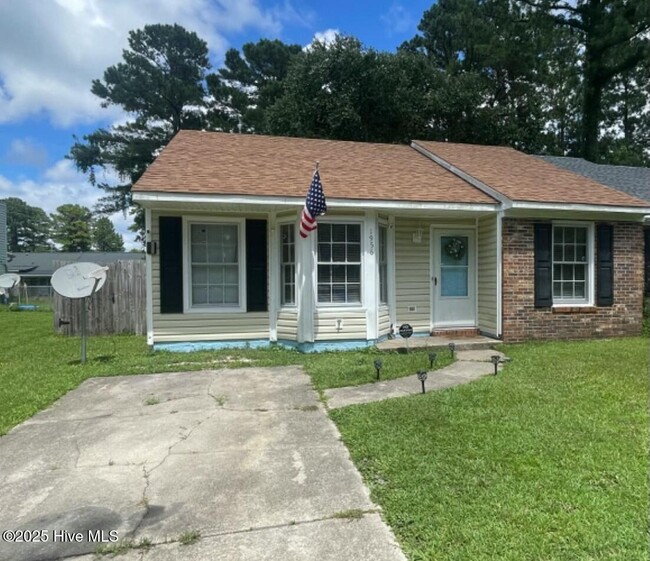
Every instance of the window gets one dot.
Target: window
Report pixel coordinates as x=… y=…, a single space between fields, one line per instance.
x=339 y=263
x=288 y=264
x=571 y=264
x=382 y=258
x=214 y=265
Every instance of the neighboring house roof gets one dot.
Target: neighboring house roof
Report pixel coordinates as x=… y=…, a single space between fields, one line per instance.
x=237 y=164
x=521 y=177
x=632 y=180
x=42 y=264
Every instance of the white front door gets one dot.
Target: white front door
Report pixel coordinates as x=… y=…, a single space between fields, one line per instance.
x=454 y=280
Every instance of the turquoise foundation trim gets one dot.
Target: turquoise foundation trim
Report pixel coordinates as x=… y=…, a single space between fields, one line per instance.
x=316 y=347
x=189 y=347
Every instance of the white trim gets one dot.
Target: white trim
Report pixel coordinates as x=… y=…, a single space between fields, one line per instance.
x=380 y=204
x=299 y=202
x=187 y=264
x=369 y=271
x=149 y=263
x=273 y=279
x=591 y=264
x=499 y=242
x=497 y=195
x=579 y=207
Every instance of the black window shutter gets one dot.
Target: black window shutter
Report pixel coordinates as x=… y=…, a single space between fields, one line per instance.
x=543 y=265
x=256 y=266
x=171 y=264
x=604 y=265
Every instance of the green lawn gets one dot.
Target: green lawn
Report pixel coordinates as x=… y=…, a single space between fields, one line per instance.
x=37 y=366
x=547 y=461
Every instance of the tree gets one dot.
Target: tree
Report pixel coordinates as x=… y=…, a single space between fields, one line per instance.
x=487 y=61
x=246 y=86
x=71 y=227
x=614 y=40
x=161 y=85
x=344 y=91
x=105 y=238
x=28 y=227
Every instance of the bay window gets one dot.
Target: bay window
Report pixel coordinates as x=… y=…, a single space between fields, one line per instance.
x=288 y=264
x=339 y=263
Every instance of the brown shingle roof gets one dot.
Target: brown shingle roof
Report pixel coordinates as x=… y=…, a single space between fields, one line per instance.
x=525 y=178
x=233 y=164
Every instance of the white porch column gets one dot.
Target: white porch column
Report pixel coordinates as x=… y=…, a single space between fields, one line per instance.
x=305 y=297
x=370 y=284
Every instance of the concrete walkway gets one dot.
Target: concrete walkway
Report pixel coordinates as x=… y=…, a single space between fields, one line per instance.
x=418 y=342
x=470 y=365
x=246 y=458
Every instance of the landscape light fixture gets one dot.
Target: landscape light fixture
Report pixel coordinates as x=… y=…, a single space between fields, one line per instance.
x=432 y=359
x=422 y=376
x=496 y=359
x=378 y=365
x=452 y=349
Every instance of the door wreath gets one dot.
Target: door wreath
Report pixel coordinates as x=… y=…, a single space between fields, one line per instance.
x=455 y=248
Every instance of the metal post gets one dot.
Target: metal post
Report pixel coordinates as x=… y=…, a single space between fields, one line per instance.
x=83 y=330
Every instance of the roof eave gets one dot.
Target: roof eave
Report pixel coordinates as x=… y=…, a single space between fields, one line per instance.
x=149 y=199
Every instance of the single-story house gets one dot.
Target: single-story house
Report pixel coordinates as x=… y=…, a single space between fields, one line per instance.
x=450 y=238
x=634 y=180
x=36 y=268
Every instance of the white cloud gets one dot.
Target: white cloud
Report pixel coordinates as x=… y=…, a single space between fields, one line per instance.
x=51 y=50
x=398 y=20
x=23 y=151
x=326 y=37
x=62 y=184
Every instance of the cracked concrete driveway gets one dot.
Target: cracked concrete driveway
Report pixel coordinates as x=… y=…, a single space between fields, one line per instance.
x=248 y=458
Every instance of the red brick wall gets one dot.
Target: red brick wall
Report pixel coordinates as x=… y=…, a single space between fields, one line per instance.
x=522 y=321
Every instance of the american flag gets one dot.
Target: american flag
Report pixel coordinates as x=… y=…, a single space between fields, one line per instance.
x=315 y=205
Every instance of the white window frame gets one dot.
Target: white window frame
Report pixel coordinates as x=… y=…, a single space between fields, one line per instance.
x=188 y=221
x=295 y=263
x=357 y=221
x=590 y=283
x=382 y=224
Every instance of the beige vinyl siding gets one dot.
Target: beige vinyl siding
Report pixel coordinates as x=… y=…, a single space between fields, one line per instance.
x=287 y=326
x=487 y=274
x=383 y=320
x=413 y=269
x=200 y=326
x=412 y=274
x=353 y=324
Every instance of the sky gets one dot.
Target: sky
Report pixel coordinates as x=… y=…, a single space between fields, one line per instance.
x=51 y=50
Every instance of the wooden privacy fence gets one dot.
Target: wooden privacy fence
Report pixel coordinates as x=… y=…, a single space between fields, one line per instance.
x=119 y=307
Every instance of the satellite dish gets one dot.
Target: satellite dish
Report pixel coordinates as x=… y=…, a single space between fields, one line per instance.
x=79 y=280
x=9 y=280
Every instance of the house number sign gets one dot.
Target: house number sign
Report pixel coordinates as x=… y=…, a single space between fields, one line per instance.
x=371 y=242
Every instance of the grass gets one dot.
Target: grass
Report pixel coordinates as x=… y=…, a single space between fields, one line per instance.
x=189 y=537
x=38 y=366
x=548 y=460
